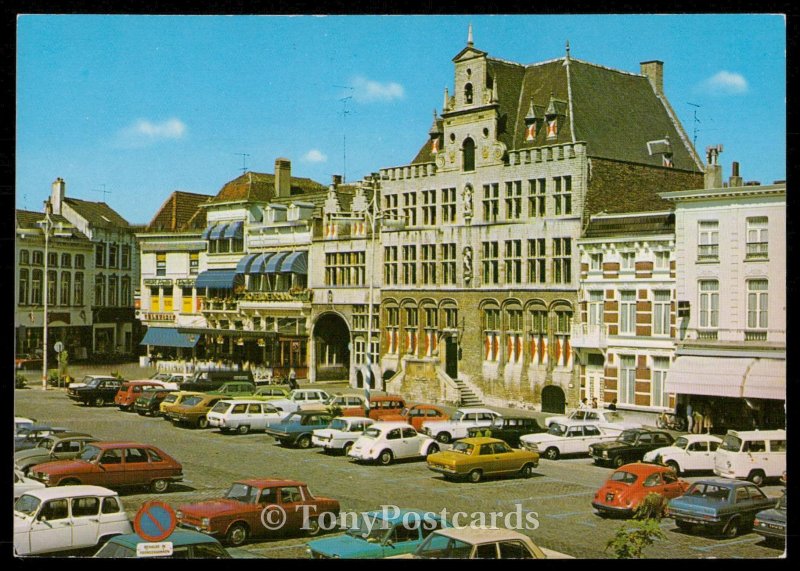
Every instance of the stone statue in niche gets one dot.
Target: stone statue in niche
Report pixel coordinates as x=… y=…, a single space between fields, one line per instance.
x=468 y=202
x=467 y=255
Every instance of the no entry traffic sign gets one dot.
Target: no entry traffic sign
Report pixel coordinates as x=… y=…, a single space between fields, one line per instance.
x=154 y=521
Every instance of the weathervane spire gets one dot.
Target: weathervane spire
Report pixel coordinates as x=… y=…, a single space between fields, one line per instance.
x=469 y=36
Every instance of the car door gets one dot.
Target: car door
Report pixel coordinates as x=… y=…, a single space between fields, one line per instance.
x=256 y=417
x=111 y=469
x=672 y=486
x=403 y=538
x=291 y=501
x=85 y=520
x=411 y=442
x=698 y=457
x=759 y=500
x=137 y=467
x=51 y=529
x=643 y=444
x=574 y=441
x=505 y=457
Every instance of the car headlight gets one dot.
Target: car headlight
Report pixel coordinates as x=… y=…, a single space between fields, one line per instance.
x=605 y=454
x=178 y=514
x=205 y=522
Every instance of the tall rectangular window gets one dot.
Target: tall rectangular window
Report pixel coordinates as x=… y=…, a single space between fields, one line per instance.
x=627 y=312
x=537 y=261
x=390 y=265
x=538 y=321
x=100 y=255
x=627 y=260
x=708 y=240
x=36 y=287
x=194 y=263
x=536 y=197
x=125 y=257
x=448 y=205
x=155 y=299
x=451 y=317
x=491 y=265
x=391 y=210
x=627 y=379
x=429 y=207
x=429 y=264
x=757 y=306
x=595 y=307
x=563 y=322
x=513 y=261
x=52 y=259
x=410 y=265
x=24 y=257
x=113 y=291
x=37 y=258
x=659 y=396
x=66 y=288
x=661 y=312
x=161 y=264
x=709 y=304
x=491 y=202
x=513 y=200
x=562 y=260
x=491 y=332
x=345 y=268
x=596 y=262
x=186 y=301
x=562 y=195
x=24 y=276
x=112 y=255
x=757 y=237
x=125 y=291
x=77 y=298
x=99 y=290
x=448 y=256
x=52 y=284
x=410 y=208
x=79 y=261
x=66 y=261
x=662 y=260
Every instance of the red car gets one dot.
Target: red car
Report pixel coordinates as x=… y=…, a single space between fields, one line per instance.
x=113 y=465
x=630 y=484
x=258 y=508
x=417 y=414
x=380 y=406
x=130 y=391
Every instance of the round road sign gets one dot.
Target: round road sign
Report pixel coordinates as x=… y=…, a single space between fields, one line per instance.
x=154 y=521
x=58 y=347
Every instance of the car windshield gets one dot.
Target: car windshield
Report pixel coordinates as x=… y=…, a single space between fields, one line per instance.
x=463 y=447
x=623 y=477
x=681 y=442
x=161 y=377
x=627 y=436
x=242 y=493
x=712 y=492
x=440 y=547
x=221 y=407
x=93 y=382
x=27 y=505
x=459 y=415
x=87 y=379
x=338 y=424
x=731 y=443
x=372 y=433
x=90 y=453
x=170 y=398
x=405 y=412
x=46 y=443
x=369 y=528
x=191 y=401
x=782 y=502
x=557 y=429
x=294 y=417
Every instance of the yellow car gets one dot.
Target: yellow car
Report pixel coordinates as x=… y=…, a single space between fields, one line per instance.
x=474 y=458
x=173 y=400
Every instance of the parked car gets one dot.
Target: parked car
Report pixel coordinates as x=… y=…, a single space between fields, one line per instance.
x=30 y=437
x=508 y=429
x=720 y=506
x=173 y=400
x=754 y=455
x=482 y=543
x=300 y=397
x=169 y=381
x=689 y=452
x=380 y=407
x=267 y=393
x=27 y=361
x=235 y=389
x=21 y=422
x=771 y=524
x=130 y=391
x=384 y=442
x=475 y=458
x=611 y=421
x=296 y=428
x=97 y=391
x=64 y=519
x=630 y=446
x=193 y=410
x=379 y=534
x=185 y=545
x=204 y=381
x=464 y=418
x=565 y=438
x=89 y=378
x=240 y=514
x=628 y=486
x=149 y=402
x=115 y=465
x=340 y=405
x=417 y=414
x=242 y=416
x=60 y=446
x=341 y=433
x=23 y=484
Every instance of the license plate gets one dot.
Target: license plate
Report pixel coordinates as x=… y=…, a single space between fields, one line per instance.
x=609 y=497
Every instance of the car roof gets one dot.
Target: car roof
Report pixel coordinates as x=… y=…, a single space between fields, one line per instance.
x=68 y=435
x=145 y=382
x=477 y=409
x=570 y=422
x=758 y=434
x=642 y=468
x=388 y=424
x=700 y=437
x=393 y=516
x=385 y=397
x=724 y=482
x=45 y=494
x=118 y=444
x=269 y=482
x=179 y=537
x=478 y=535
x=478 y=440
x=353 y=418
x=244 y=401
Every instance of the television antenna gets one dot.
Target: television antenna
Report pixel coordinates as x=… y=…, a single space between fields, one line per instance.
x=103 y=190
x=344 y=113
x=244 y=161
x=696 y=122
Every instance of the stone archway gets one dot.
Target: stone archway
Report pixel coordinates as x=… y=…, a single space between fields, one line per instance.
x=331 y=348
x=553 y=399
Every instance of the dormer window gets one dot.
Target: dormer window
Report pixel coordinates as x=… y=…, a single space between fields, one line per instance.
x=552 y=128
x=469 y=154
x=468 y=94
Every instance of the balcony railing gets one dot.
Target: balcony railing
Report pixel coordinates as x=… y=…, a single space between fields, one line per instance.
x=770 y=336
x=291 y=295
x=707 y=334
x=589 y=336
x=755 y=335
x=216 y=304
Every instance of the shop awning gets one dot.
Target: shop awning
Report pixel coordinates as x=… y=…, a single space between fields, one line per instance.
x=216 y=232
x=207 y=231
x=168 y=337
x=243 y=267
x=296 y=263
x=234 y=230
x=217 y=279
x=711 y=376
x=766 y=380
x=259 y=265
x=274 y=263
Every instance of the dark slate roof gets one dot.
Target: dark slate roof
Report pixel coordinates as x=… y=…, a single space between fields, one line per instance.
x=98 y=214
x=29 y=219
x=260 y=187
x=177 y=211
x=661 y=223
x=344 y=192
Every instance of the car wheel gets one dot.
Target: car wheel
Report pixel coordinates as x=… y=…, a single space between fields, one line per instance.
x=618 y=462
x=683 y=525
x=432 y=449
x=386 y=458
x=202 y=422
x=141 y=412
x=237 y=534
x=347 y=448
x=69 y=482
x=527 y=471
x=159 y=486
x=475 y=476
x=551 y=453
x=99 y=401
x=673 y=465
x=313 y=528
x=732 y=528
x=443 y=437
x=243 y=429
x=757 y=477
x=283 y=442
x=304 y=441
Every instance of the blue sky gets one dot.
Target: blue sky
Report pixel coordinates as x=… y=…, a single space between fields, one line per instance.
x=141 y=106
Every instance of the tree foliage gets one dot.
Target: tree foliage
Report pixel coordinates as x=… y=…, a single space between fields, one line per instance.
x=633 y=537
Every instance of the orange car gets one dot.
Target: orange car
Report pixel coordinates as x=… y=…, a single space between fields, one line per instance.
x=630 y=484
x=130 y=391
x=380 y=407
x=417 y=414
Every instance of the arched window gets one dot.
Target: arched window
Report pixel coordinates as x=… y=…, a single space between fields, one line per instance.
x=468 y=94
x=469 y=154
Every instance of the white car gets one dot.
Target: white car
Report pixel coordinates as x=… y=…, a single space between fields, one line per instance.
x=298 y=398
x=21 y=422
x=23 y=484
x=611 y=421
x=568 y=437
x=341 y=433
x=85 y=381
x=243 y=415
x=465 y=418
x=65 y=518
x=383 y=442
x=688 y=452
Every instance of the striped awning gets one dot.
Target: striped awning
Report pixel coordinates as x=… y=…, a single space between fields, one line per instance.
x=243 y=267
x=168 y=337
x=216 y=279
x=296 y=263
x=207 y=231
x=766 y=380
x=710 y=376
x=273 y=265
x=234 y=230
x=219 y=228
x=259 y=265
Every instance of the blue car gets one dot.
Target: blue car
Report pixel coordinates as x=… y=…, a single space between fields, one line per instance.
x=29 y=437
x=296 y=428
x=720 y=506
x=771 y=524
x=379 y=534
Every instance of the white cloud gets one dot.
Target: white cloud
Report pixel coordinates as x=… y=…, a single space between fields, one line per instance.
x=368 y=90
x=144 y=132
x=315 y=156
x=725 y=83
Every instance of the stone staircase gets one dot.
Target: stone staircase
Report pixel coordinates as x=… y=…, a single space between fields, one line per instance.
x=468 y=396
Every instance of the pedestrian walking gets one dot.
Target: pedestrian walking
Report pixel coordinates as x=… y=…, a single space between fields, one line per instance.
x=613 y=405
x=594 y=403
x=293 y=379
x=584 y=404
x=689 y=418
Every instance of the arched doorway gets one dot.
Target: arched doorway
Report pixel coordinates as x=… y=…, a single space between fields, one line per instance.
x=332 y=348
x=553 y=399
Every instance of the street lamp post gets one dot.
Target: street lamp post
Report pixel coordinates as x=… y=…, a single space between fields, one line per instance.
x=46 y=225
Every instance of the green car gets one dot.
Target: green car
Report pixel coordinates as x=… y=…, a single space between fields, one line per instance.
x=185 y=545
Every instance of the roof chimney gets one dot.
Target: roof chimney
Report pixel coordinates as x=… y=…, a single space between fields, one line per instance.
x=654 y=70
x=336 y=179
x=713 y=174
x=283 y=177
x=57 y=194
x=735 y=179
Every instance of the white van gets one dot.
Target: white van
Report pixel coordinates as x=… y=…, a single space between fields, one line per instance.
x=751 y=455
x=66 y=518
x=243 y=415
